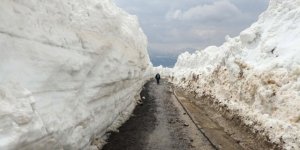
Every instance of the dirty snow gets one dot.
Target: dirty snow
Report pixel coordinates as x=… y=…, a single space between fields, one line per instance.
x=69 y=71
x=256 y=75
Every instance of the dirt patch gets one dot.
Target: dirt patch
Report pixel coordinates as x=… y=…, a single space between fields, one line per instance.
x=228 y=122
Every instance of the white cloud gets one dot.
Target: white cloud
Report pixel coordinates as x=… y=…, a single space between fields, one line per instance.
x=174 y=25
x=206 y=32
x=218 y=10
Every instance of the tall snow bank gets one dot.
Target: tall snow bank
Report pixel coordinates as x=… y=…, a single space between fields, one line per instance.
x=163 y=71
x=68 y=71
x=256 y=75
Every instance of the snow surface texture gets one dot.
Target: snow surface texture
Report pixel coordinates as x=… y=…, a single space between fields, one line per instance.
x=69 y=70
x=255 y=75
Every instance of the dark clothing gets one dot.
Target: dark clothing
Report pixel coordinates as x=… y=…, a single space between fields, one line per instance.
x=157 y=80
x=157 y=77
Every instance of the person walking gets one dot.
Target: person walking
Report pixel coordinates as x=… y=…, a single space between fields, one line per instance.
x=157 y=77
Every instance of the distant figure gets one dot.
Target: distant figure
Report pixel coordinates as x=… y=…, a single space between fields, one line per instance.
x=157 y=77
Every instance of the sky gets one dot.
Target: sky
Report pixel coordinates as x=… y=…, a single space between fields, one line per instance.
x=175 y=26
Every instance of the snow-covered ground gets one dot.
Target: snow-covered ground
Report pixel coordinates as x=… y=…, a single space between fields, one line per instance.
x=256 y=75
x=69 y=71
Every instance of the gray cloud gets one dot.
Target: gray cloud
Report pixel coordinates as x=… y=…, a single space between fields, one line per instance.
x=175 y=25
x=218 y=10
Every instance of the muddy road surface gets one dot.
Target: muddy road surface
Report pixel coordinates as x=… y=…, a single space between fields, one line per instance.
x=158 y=123
x=168 y=119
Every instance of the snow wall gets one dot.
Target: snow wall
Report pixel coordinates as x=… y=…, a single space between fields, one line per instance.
x=69 y=71
x=255 y=75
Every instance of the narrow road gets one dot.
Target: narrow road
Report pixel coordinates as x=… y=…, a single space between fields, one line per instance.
x=170 y=119
x=159 y=123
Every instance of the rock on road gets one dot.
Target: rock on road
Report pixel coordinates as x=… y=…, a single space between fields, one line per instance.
x=159 y=123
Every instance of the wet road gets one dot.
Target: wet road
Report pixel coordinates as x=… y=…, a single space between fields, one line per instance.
x=159 y=123
x=164 y=121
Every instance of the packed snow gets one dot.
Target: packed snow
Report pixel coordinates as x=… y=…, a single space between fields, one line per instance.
x=69 y=71
x=255 y=75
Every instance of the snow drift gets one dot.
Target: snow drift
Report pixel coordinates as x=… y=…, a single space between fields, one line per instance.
x=69 y=70
x=255 y=75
